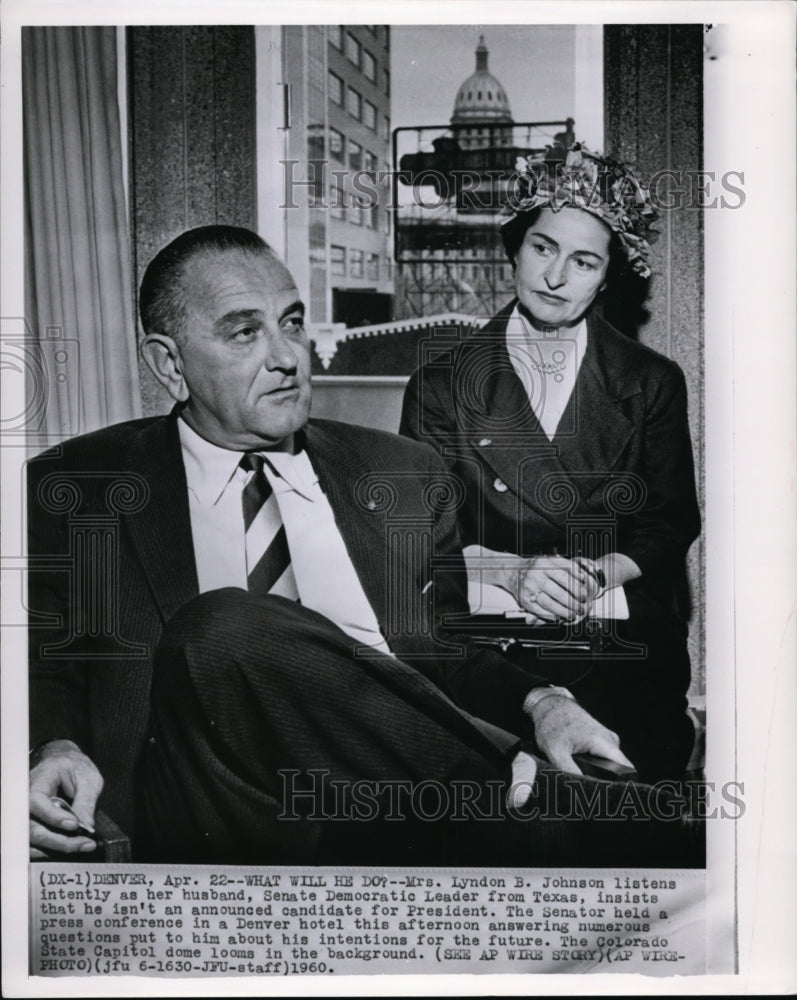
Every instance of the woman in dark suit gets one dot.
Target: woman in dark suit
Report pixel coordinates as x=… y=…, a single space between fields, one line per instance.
x=572 y=444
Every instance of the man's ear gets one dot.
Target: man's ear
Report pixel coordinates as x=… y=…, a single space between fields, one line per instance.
x=163 y=358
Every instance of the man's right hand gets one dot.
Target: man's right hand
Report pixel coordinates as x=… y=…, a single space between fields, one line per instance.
x=60 y=769
x=563 y=728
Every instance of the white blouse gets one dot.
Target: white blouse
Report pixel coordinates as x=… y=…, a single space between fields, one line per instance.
x=547 y=364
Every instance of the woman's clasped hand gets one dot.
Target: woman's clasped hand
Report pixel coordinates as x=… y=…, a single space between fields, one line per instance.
x=553 y=588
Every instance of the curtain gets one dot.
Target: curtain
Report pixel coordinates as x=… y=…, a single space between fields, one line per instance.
x=79 y=299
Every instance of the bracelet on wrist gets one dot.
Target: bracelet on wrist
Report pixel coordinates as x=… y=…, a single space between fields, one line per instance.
x=597 y=573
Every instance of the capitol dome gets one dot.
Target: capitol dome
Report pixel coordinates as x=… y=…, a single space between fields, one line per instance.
x=481 y=99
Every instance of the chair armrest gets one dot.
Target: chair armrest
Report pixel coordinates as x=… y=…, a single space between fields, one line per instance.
x=113 y=844
x=112 y=840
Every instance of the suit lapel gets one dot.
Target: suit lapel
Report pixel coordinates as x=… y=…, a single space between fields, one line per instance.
x=599 y=429
x=161 y=532
x=501 y=425
x=339 y=469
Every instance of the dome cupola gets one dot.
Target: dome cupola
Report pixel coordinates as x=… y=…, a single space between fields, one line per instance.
x=481 y=98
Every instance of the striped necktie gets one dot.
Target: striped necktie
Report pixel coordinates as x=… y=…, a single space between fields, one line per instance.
x=268 y=558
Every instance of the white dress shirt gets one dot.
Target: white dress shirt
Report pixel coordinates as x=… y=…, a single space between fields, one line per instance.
x=561 y=349
x=325 y=576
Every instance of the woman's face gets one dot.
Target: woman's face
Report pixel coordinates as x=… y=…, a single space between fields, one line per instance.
x=561 y=265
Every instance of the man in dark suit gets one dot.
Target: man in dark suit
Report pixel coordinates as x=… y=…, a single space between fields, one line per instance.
x=170 y=659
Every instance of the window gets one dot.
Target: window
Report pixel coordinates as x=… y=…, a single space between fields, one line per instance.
x=356 y=213
x=337 y=261
x=373 y=216
x=337 y=197
x=315 y=142
x=370 y=115
x=386 y=128
x=335 y=34
x=336 y=141
x=353 y=49
x=354 y=103
x=355 y=155
x=387 y=82
x=369 y=66
x=355 y=263
x=335 y=88
x=372 y=267
x=369 y=162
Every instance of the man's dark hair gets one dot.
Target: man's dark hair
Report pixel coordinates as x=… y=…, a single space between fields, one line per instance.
x=514 y=232
x=161 y=300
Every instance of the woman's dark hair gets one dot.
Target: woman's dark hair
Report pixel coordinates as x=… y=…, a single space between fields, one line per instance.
x=514 y=232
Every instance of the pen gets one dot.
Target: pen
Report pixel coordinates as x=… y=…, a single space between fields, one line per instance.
x=60 y=803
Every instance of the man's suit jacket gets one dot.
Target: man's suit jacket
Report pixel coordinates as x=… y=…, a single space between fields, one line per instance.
x=111 y=561
x=620 y=465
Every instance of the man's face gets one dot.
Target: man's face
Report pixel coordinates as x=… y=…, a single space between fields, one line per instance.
x=561 y=265
x=244 y=352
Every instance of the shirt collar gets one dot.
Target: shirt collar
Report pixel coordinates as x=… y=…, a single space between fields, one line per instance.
x=208 y=468
x=520 y=326
x=296 y=472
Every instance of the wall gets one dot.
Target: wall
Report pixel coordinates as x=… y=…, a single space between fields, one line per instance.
x=374 y=402
x=654 y=120
x=191 y=132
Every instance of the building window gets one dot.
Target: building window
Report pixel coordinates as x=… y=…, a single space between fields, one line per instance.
x=372 y=267
x=335 y=88
x=355 y=155
x=387 y=82
x=386 y=128
x=370 y=115
x=315 y=142
x=356 y=213
x=353 y=49
x=355 y=263
x=373 y=216
x=337 y=197
x=354 y=103
x=336 y=142
x=335 y=34
x=369 y=66
x=369 y=162
x=337 y=261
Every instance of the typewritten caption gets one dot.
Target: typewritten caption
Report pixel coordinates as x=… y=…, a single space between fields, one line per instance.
x=185 y=921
